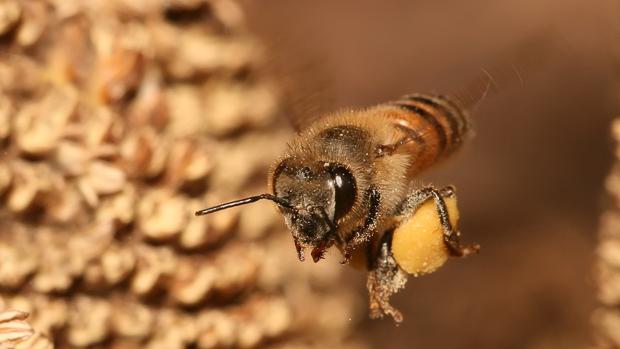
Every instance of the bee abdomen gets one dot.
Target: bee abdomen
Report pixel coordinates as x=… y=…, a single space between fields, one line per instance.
x=436 y=124
x=447 y=114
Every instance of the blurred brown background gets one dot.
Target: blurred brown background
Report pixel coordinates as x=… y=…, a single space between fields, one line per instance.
x=530 y=182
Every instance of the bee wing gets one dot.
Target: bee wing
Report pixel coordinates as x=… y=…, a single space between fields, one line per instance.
x=305 y=89
x=307 y=95
x=507 y=70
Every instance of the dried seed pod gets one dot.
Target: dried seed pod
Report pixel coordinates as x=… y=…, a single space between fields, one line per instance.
x=72 y=158
x=38 y=127
x=13 y=327
x=92 y=277
x=90 y=244
x=238 y=267
x=88 y=192
x=117 y=263
x=20 y=75
x=155 y=266
x=70 y=59
x=105 y=178
x=133 y=320
x=47 y=315
x=188 y=163
x=89 y=321
x=100 y=128
x=210 y=231
x=174 y=330
x=119 y=208
x=193 y=282
x=53 y=278
x=195 y=235
x=120 y=74
x=162 y=215
x=149 y=109
x=235 y=107
x=188 y=54
x=63 y=261
x=10 y=14
x=33 y=23
x=143 y=154
x=217 y=330
x=18 y=263
x=30 y=183
x=64 y=204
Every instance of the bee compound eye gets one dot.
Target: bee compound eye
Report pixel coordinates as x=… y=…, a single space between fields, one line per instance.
x=345 y=191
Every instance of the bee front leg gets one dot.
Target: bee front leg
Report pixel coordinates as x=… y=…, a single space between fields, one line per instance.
x=452 y=237
x=364 y=232
x=385 y=278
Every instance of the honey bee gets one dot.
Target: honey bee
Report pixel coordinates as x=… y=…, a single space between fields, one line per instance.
x=346 y=180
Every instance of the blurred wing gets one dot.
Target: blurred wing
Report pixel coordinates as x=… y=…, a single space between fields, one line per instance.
x=306 y=90
x=508 y=70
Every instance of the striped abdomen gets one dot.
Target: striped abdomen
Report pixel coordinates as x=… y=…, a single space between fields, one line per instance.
x=435 y=126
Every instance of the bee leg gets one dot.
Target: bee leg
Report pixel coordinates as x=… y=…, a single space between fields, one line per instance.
x=385 y=278
x=389 y=149
x=452 y=237
x=364 y=232
x=300 y=251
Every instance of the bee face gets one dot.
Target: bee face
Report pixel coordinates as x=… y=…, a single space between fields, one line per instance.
x=322 y=193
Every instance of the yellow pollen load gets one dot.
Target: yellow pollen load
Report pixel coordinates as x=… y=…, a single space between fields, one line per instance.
x=417 y=243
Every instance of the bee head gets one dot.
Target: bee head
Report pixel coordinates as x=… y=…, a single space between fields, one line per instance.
x=321 y=193
x=313 y=198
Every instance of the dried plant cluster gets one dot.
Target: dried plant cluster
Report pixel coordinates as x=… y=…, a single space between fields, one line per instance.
x=607 y=317
x=118 y=119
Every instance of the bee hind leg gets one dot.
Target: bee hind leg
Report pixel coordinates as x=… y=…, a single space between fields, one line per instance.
x=452 y=237
x=385 y=278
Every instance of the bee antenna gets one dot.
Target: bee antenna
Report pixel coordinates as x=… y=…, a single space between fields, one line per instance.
x=278 y=200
